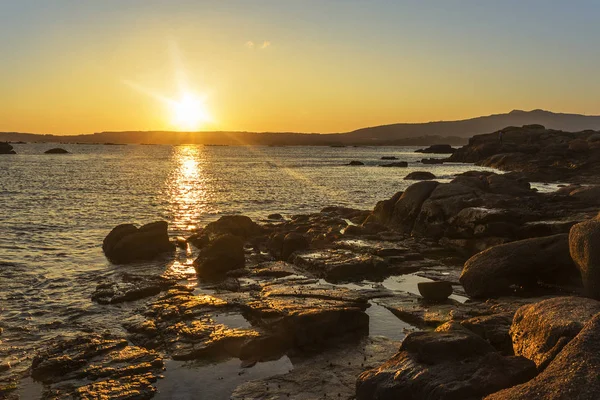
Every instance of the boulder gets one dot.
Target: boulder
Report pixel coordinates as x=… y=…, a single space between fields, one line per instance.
x=6 y=148
x=419 y=176
x=435 y=291
x=539 y=331
x=399 y=164
x=356 y=163
x=223 y=254
x=237 y=225
x=573 y=374
x=438 y=149
x=56 y=150
x=126 y=243
x=493 y=271
x=443 y=365
x=293 y=242
x=584 y=246
x=408 y=206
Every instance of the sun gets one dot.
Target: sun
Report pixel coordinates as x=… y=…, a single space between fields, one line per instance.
x=189 y=112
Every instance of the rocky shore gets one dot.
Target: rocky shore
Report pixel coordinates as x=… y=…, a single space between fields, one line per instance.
x=507 y=307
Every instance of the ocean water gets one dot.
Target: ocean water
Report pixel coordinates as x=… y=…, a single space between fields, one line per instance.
x=55 y=211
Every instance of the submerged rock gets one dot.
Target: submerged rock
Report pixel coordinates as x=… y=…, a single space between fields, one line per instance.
x=584 y=246
x=126 y=243
x=419 y=176
x=223 y=254
x=539 y=331
x=493 y=271
x=573 y=374
x=56 y=150
x=443 y=365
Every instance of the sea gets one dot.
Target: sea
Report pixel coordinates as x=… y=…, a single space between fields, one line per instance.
x=55 y=210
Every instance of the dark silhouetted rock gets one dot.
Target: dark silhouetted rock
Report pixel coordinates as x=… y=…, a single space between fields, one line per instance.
x=275 y=216
x=435 y=291
x=6 y=148
x=584 y=246
x=579 y=145
x=356 y=163
x=389 y=158
x=437 y=149
x=432 y=161
x=56 y=150
x=573 y=374
x=293 y=242
x=237 y=225
x=443 y=365
x=399 y=164
x=126 y=243
x=408 y=206
x=419 y=176
x=524 y=262
x=539 y=331
x=199 y=239
x=222 y=254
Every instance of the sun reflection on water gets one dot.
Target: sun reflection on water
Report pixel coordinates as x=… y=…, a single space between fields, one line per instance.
x=187 y=188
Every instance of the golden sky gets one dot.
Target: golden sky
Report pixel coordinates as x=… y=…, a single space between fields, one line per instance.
x=309 y=66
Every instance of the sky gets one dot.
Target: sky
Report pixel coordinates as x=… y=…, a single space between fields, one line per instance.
x=82 y=66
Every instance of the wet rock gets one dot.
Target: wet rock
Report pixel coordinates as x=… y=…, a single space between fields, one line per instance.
x=339 y=264
x=327 y=374
x=539 y=331
x=6 y=148
x=131 y=288
x=524 y=262
x=95 y=366
x=419 y=176
x=293 y=242
x=275 y=216
x=223 y=254
x=356 y=163
x=438 y=149
x=199 y=239
x=273 y=269
x=236 y=225
x=126 y=243
x=435 y=291
x=56 y=150
x=584 y=246
x=399 y=164
x=443 y=365
x=573 y=374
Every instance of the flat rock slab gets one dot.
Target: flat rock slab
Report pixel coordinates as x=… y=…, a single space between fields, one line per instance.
x=130 y=288
x=340 y=265
x=95 y=366
x=330 y=374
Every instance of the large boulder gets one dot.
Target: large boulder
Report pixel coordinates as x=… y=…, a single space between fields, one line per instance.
x=573 y=374
x=539 y=331
x=493 y=271
x=223 y=254
x=443 y=365
x=237 y=225
x=126 y=243
x=408 y=206
x=584 y=245
x=6 y=148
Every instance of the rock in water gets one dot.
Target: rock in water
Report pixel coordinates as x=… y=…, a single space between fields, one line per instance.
x=539 y=331
x=584 y=245
x=238 y=225
x=573 y=374
x=126 y=243
x=56 y=150
x=438 y=149
x=225 y=253
x=419 y=176
x=398 y=164
x=356 y=163
x=524 y=262
x=435 y=291
x=6 y=148
x=443 y=365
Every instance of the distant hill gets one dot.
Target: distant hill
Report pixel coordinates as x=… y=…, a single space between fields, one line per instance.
x=418 y=134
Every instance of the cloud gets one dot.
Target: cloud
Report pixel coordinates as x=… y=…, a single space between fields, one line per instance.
x=265 y=44
x=250 y=44
x=260 y=46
